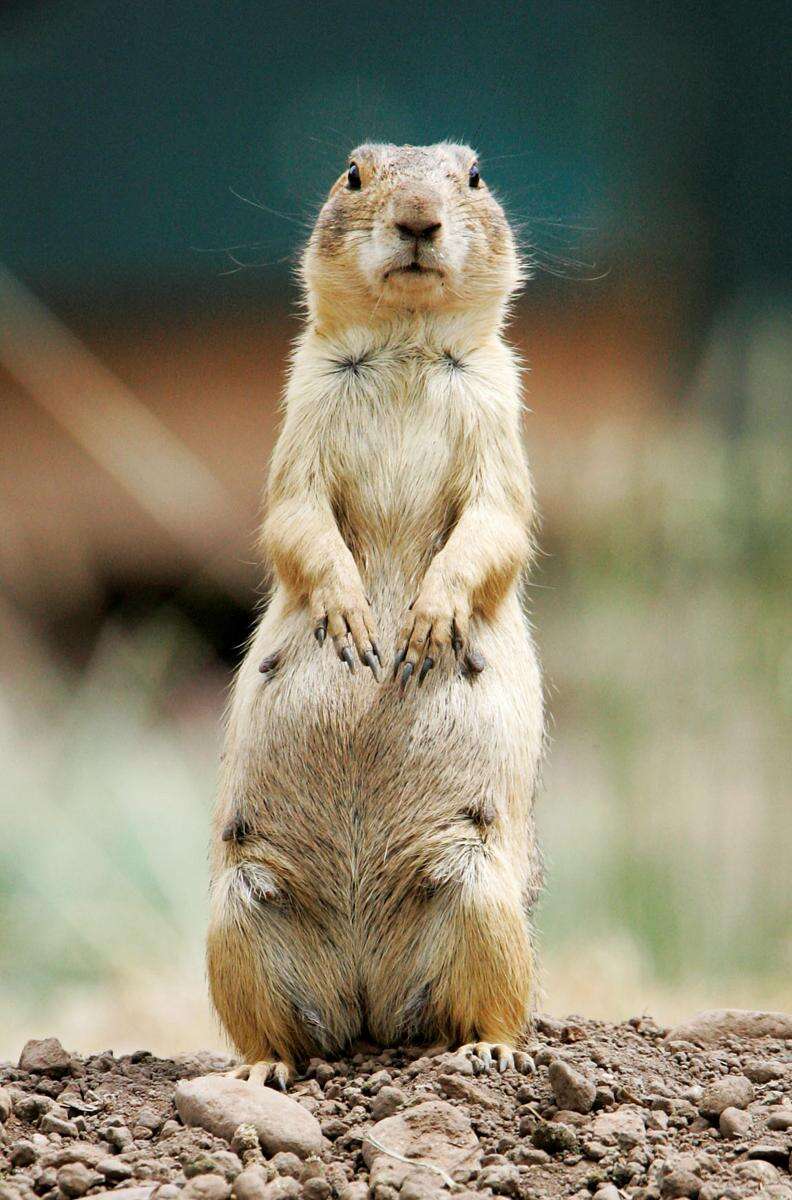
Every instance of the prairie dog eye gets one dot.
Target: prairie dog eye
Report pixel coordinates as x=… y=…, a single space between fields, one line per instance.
x=353 y=177
x=474 y=177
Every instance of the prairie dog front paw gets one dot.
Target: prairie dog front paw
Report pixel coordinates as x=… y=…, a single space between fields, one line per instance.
x=438 y=617
x=343 y=612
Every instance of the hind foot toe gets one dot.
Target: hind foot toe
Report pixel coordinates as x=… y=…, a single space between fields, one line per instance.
x=272 y=1071
x=485 y=1055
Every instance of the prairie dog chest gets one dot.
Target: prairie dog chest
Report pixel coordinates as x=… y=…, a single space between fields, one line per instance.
x=393 y=427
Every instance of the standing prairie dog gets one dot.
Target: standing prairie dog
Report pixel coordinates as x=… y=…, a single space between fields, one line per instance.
x=374 y=860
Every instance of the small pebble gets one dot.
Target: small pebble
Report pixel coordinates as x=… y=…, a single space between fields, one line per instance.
x=734 y=1123
x=206 y=1187
x=46 y=1057
x=503 y=1179
x=386 y=1102
x=571 y=1088
x=732 y=1091
x=23 y=1153
x=75 y=1179
x=250 y=1183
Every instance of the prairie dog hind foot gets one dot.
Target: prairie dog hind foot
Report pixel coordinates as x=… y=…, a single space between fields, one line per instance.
x=272 y=1071
x=500 y=1055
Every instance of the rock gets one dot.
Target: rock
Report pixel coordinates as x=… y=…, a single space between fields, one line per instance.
x=206 y=1187
x=434 y=1132
x=75 y=1179
x=714 y=1025
x=286 y=1163
x=9 y=1192
x=149 y=1118
x=283 y=1188
x=607 y=1192
x=732 y=1091
x=758 y=1171
x=764 y=1070
x=356 y=1190
x=386 y=1102
x=229 y=1163
x=571 y=1088
x=680 y=1182
x=376 y=1081
x=457 y=1087
x=529 y=1156
x=114 y=1169
x=550 y=1026
x=31 y=1108
x=250 y=1183
x=594 y=1150
x=503 y=1178
x=220 y=1105
x=780 y=1119
x=416 y=1186
x=23 y=1153
x=554 y=1138
x=131 y=1193
x=53 y=1123
x=318 y=1188
x=567 y=1116
x=203 y=1062
x=220 y=1162
x=76 y=1152
x=334 y=1128
x=625 y=1126
x=314 y=1168
x=734 y=1123
x=460 y=1064
x=6 y=1105
x=45 y=1057
x=119 y=1137
x=772 y=1152
x=70 y=1099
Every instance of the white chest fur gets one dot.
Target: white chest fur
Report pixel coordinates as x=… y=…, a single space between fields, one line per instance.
x=391 y=422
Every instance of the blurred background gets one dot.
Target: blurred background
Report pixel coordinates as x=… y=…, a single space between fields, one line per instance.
x=161 y=167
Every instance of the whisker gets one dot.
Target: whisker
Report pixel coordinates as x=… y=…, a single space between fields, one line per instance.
x=266 y=208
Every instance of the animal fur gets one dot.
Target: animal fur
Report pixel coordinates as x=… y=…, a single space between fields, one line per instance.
x=373 y=840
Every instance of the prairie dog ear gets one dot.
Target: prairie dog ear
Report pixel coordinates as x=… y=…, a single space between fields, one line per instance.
x=462 y=155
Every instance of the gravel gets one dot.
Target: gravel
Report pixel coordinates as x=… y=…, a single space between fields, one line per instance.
x=630 y=1111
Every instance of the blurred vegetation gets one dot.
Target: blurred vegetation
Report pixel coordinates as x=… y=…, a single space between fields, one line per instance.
x=666 y=640
x=662 y=614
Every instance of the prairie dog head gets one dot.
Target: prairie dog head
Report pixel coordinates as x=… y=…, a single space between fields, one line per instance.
x=409 y=229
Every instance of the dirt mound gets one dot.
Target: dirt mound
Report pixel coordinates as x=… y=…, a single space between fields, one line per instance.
x=599 y=1110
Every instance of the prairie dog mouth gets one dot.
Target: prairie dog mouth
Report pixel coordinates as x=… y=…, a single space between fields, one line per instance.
x=413 y=268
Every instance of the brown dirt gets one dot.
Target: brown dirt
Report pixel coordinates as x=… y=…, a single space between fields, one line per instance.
x=116 y=1115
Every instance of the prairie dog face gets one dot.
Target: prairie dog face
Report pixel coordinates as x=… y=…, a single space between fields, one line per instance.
x=410 y=228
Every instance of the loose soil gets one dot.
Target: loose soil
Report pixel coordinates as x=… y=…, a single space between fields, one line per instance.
x=649 y=1128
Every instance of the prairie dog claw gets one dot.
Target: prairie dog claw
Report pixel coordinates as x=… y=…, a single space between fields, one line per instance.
x=498 y=1054
x=345 y=654
x=270 y=1071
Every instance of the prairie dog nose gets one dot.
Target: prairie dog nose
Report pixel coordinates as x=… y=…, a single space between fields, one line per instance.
x=418 y=229
x=417 y=216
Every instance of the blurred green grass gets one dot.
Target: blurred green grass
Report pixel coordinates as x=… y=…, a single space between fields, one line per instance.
x=661 y=606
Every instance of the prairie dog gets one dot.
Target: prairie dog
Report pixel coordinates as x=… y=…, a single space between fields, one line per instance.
x=374 y=861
